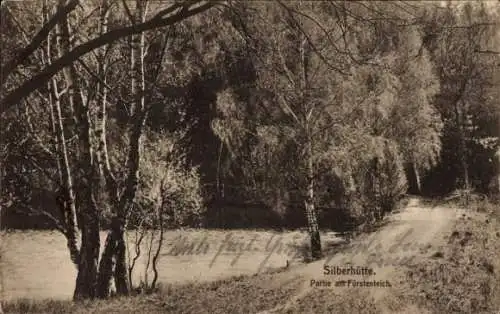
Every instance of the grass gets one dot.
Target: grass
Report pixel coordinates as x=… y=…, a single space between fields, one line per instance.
x=323 y=301
x=242 y=294
x=464 y=276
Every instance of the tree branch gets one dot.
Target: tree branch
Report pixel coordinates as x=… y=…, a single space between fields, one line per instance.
x=286 y=108
x=37 y=40
x=40 y=79
x=57 y=223
x=488 y=51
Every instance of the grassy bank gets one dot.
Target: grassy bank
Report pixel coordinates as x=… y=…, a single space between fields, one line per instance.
x=463 y=276
x=244 y=294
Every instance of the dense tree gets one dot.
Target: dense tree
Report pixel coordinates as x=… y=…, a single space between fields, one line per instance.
x=457 y=35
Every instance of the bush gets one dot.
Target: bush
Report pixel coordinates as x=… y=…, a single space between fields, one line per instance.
x=167 y=184
x=382 y=184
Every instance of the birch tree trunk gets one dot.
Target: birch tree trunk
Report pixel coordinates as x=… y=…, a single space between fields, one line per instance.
x=67 y=203
x=115 y=247
x=102 y=99
x=85 y=287
x=462 y=150
x=67 y=197
x=86 y=282
x=316 y=252
x=107 y=262
x=463 y=156
x=417 y=177
x=498 y=175
x=134 y=157
x=307 y=108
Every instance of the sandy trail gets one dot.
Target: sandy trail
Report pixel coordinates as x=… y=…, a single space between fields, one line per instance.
x=414 y=233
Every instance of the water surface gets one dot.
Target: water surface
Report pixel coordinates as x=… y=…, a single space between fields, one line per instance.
x=36 y=264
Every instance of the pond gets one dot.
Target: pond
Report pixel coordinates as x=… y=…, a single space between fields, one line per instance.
x=36 y=264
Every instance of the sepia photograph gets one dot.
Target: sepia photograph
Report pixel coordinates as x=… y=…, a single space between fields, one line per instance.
x=239 y=156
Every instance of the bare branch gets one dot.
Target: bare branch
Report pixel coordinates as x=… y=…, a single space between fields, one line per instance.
x=287 y=109
x=311 y=43
x=57 y=223
x=286 y=69
x=127 y=10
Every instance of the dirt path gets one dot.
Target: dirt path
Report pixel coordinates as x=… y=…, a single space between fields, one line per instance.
x=414 y=233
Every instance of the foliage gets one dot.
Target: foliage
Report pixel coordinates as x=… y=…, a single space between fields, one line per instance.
x=466 y=99
x=165 y=182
